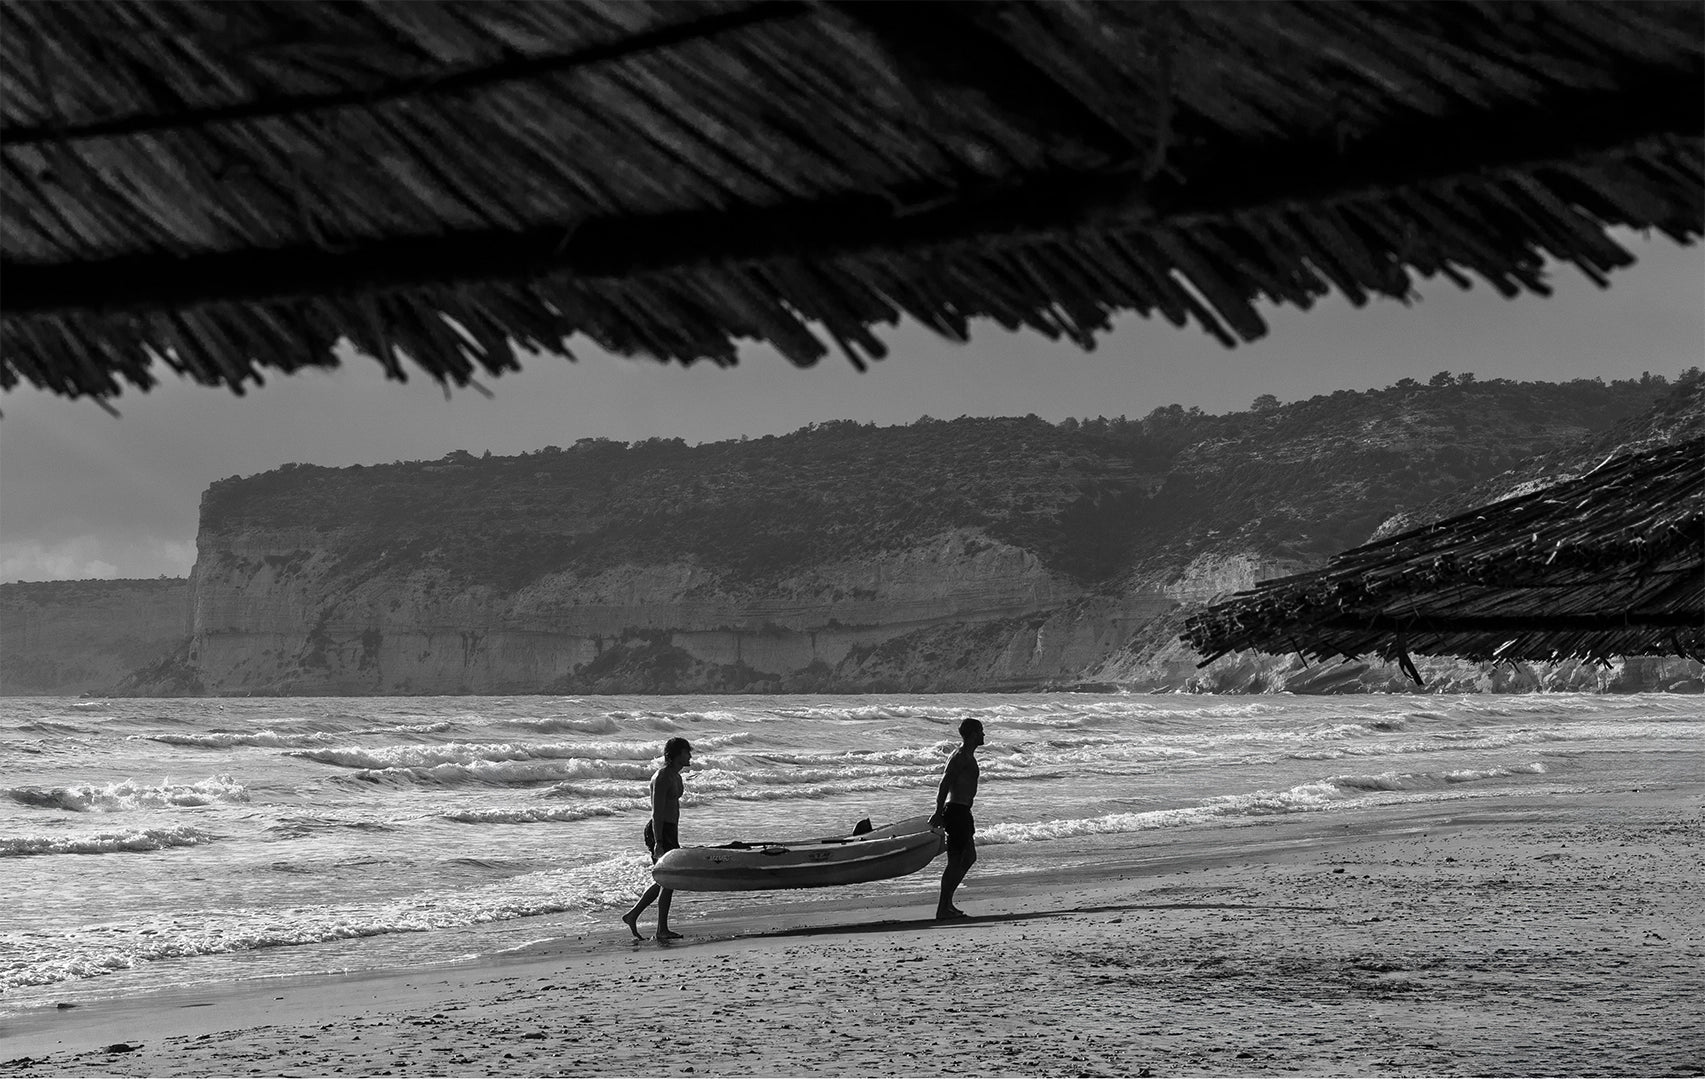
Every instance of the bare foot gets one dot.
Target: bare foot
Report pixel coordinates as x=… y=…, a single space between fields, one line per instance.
x=633 y=924
x=666 y=935
x=950 y=915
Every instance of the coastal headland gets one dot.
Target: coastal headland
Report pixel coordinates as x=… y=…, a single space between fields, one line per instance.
x=972 y=555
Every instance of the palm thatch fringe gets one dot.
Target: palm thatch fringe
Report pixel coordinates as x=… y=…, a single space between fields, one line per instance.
x=1608 y=564
x=230 y=188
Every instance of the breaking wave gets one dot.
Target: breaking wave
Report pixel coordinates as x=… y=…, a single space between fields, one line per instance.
x=129 y=795
x=294 y=828
x=221 y=740
x=501 y=773
x=1481 y=739
x=46 y=726
x=595 y=725
x=413 y=756
x=1304 y=798
x=105 y=843
x=529 y=815
x=596 y=886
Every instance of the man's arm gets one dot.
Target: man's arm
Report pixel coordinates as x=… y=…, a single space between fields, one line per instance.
x=948 y=775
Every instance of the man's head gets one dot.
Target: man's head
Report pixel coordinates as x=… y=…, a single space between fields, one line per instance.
x=677 y=751
x=971 y=730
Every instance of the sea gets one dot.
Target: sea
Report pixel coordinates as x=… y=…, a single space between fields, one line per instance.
x=151 y=843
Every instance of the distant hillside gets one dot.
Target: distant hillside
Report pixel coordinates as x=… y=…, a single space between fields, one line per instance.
x=995 y=554
x=1088 y=498
x=71 y=637
x=1677 y=415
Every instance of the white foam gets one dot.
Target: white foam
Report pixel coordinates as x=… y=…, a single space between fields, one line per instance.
x=416 y=756
x=130 y=795
x=103 y=843
x=1479 y=738
x=933 y=755
x=812 y=791
x=508 y=772
x=1315 y=795
x=225 y=739
x=429 y=728
x=94 y=950
x=528 y=815
x=1395 y=781
x=596 y=725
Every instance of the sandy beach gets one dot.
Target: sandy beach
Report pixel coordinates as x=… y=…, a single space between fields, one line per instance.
x=1535 y=935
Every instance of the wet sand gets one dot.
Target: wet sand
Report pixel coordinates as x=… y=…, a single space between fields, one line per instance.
x=1548 y=935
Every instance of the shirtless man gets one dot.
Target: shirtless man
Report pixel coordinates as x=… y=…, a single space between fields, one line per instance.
x=953 y=801
x=664 y=833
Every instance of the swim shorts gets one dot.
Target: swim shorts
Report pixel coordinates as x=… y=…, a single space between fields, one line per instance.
x=667 y=838
x=956 y=818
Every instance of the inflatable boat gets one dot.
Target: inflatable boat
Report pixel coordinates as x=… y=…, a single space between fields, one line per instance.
x=891 y=851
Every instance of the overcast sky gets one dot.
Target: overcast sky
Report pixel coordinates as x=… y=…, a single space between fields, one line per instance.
x=85 y=495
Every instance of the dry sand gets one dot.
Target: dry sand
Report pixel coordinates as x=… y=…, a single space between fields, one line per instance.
x=1485 y=937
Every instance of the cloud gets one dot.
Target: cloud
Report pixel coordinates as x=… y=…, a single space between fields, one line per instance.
x=90 y=556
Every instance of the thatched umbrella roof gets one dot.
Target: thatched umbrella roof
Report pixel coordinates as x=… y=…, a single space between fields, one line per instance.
x=1608 y=564
x=228 y=187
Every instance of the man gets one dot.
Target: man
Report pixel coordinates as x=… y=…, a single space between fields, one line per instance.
x=663 y=833
x=953 y=801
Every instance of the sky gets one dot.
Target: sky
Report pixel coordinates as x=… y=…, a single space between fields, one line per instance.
x=87 y=495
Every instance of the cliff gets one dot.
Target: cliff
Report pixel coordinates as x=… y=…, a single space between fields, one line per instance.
x=73 y=637
x=976 y=554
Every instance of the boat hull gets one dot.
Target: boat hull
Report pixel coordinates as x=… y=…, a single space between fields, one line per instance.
x=895 y=850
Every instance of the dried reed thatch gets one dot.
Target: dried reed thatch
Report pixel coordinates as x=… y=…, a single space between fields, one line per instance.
x=1609 y=564
x=228 y=187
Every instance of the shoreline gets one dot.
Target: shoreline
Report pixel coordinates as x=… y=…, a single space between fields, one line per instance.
x=1501 y=934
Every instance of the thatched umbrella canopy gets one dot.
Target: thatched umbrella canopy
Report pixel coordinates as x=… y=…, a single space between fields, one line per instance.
x=227 y=187
x=1608 y=564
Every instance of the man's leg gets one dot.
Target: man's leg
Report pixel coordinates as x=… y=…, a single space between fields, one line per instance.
x=632 y=917
x=663 y=931
x=958 y=864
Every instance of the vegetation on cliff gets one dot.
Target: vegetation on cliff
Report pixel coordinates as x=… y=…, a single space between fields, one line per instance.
x=88 y=590
x=1677 y=415
x=1093 y=499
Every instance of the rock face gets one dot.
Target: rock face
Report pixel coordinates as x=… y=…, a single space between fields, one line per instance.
x=274 y=615
x=74 y=637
